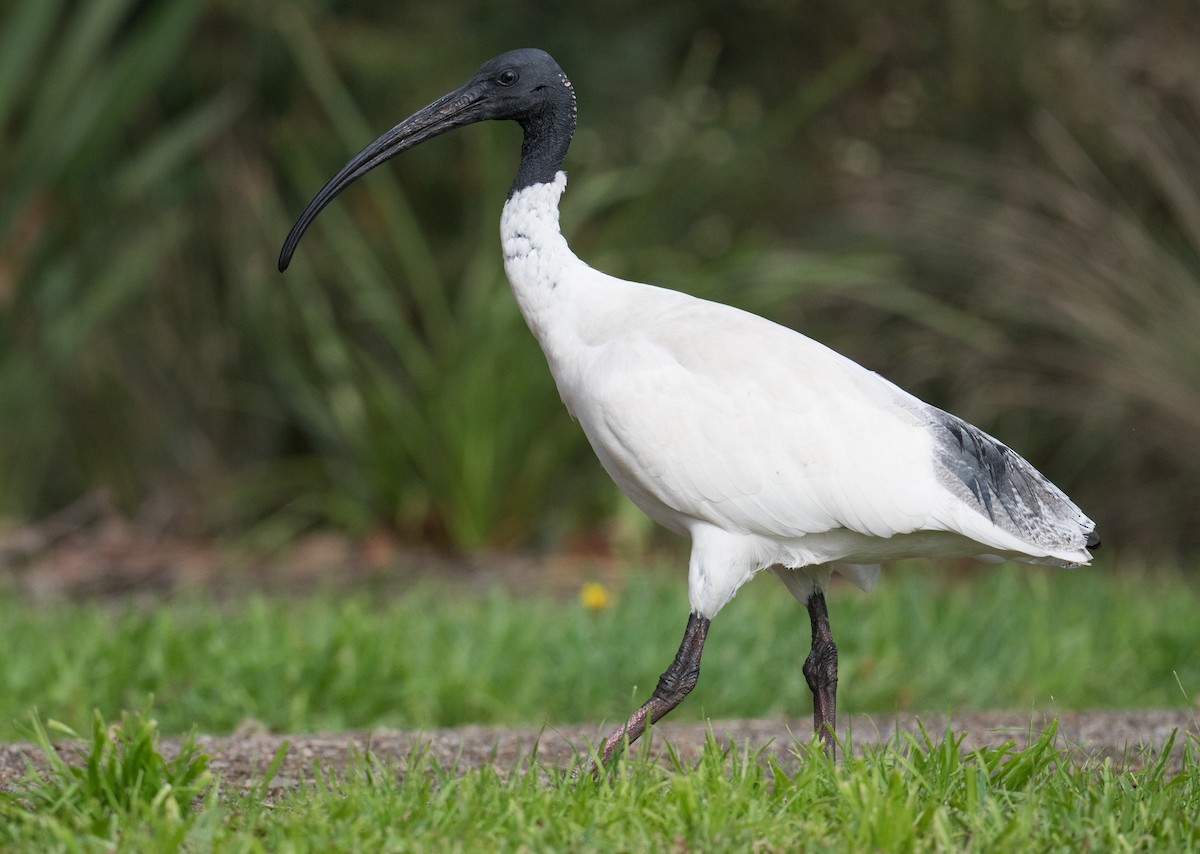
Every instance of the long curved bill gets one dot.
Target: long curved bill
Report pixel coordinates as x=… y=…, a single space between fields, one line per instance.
x=458 y=108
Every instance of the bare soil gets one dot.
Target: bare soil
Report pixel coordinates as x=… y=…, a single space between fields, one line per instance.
x=241 y=760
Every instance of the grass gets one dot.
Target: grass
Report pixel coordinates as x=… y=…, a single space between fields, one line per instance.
x=1007 y=637
x=121 y=777
x=1010 y=637
x=921 y=793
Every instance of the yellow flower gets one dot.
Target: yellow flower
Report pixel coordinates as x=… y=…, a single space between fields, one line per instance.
x=595 y=596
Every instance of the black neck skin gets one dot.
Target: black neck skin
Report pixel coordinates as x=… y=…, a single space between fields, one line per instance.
x=547 y=137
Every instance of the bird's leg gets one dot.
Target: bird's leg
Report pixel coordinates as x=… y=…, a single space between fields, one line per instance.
x=820 y=671
x=673 y=686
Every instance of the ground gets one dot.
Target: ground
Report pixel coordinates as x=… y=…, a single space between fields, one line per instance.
x=242 y=758
x=90 y=551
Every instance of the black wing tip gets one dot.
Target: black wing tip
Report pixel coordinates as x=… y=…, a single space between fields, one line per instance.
x=1093 y=539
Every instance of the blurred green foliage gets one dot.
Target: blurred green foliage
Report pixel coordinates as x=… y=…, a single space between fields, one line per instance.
x=448 y=654
x=994 y=204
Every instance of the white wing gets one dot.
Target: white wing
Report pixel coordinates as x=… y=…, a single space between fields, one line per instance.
x=704 y=413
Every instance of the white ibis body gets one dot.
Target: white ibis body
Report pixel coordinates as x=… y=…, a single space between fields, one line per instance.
x=767 y=449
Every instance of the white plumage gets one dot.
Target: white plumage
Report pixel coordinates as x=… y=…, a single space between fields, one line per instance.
x=767 y=449
x=764 y=446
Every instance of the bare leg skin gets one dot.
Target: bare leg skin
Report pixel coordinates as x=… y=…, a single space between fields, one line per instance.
x=673 y=686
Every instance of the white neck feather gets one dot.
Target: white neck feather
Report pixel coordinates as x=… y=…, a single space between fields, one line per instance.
x=542 y=269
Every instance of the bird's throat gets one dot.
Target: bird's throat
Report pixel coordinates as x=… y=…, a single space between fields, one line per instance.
x=547 y=137
x=540 y=266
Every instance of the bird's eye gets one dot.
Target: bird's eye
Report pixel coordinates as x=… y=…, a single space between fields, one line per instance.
x=507 y=77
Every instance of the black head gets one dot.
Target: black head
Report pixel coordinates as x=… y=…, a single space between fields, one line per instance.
x=523 y=85
x=526 y=86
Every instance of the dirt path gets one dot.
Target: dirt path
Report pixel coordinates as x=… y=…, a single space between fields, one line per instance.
x=242 y=759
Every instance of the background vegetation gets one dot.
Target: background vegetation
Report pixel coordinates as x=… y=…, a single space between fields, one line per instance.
x=994 y=204
x=1015 y=638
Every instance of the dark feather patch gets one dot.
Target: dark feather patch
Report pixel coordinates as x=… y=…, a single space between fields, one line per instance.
x=996 y=481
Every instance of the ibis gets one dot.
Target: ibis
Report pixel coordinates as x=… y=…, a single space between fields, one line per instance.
x=768 y=450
